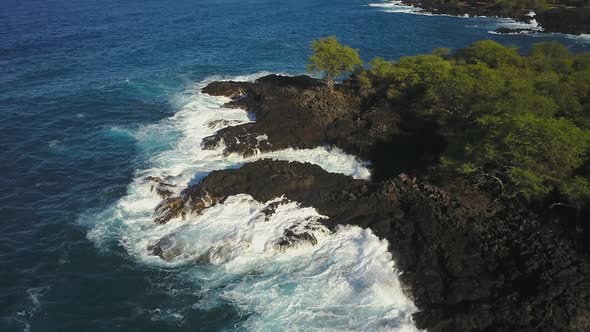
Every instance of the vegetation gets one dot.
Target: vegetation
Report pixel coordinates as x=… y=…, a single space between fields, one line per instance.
x=506 y=4
x=522 y=120
x=332 y=59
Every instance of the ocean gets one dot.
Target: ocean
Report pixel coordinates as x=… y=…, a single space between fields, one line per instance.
x=97 y=95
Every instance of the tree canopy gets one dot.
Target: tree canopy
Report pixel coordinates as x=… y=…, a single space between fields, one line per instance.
x=332 y=59
x=524 y=119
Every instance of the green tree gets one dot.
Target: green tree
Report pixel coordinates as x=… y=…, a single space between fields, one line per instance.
x=491 y=53
x=468 y=90
x=538 y=154
x=382 y=68
x=524 y=120
x=421 y=71
x=332 y=59
x=551 y=56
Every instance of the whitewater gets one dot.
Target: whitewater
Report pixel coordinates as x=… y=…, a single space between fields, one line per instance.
x=347 y=281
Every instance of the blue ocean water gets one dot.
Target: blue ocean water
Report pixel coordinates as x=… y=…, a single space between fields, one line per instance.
x=80 y=80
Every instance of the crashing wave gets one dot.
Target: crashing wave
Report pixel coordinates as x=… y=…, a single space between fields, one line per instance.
x=399 y=7
x=274 y=260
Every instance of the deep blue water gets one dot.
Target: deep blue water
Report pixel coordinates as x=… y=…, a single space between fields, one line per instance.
x=73 y=72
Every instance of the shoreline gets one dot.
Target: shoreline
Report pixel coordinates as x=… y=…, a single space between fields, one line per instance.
x=466 y=256
x=564 y=20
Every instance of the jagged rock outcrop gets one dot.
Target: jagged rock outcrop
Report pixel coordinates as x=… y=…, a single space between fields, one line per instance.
x=473 y=263
x=472 y=260
x=300 y=112
x=163 y=189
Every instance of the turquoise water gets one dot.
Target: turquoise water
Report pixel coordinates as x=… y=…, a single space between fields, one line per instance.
x=94 y=95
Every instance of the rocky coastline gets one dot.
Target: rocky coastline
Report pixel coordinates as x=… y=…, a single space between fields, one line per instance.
x=568 y=18
x=471 y=260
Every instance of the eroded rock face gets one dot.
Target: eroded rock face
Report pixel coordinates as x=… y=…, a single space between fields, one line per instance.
x=473 y=263
x=169 y=208
x=300 y=112
x=267 y=179
x=289 y=112
x=299 y=234
x=179 y=206
x=163 y=189
x=241 y=139
x=226 y=88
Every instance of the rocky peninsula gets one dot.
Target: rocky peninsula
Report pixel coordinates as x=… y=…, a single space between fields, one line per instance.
x=570 y=17
x=479 y=174
x=471 y=261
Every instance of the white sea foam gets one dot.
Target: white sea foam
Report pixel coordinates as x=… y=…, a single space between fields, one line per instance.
x=582 y=38
x=534 y=29
x=398 y=7
x=533 y=25
x=26 y=316
x=346 y=281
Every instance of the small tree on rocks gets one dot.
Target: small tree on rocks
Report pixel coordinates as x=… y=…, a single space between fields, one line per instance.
x=332 y=59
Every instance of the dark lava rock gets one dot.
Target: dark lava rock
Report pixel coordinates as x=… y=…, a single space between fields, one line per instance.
x=162 y=188
x=508 y=31
x=472 y=262
x=300 y=112
x=571 y=19
x=294 y=236
x=273 y=179
x=226 y=88
x=471 y=8
x=289 y=111
x=566 y=20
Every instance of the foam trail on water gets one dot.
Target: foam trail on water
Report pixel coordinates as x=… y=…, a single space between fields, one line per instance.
x=341 y=280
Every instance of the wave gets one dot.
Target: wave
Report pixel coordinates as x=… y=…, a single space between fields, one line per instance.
x=399 y=7
x=509 y=23
x=340 y=280
x=533 y=29
x=582 y=38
